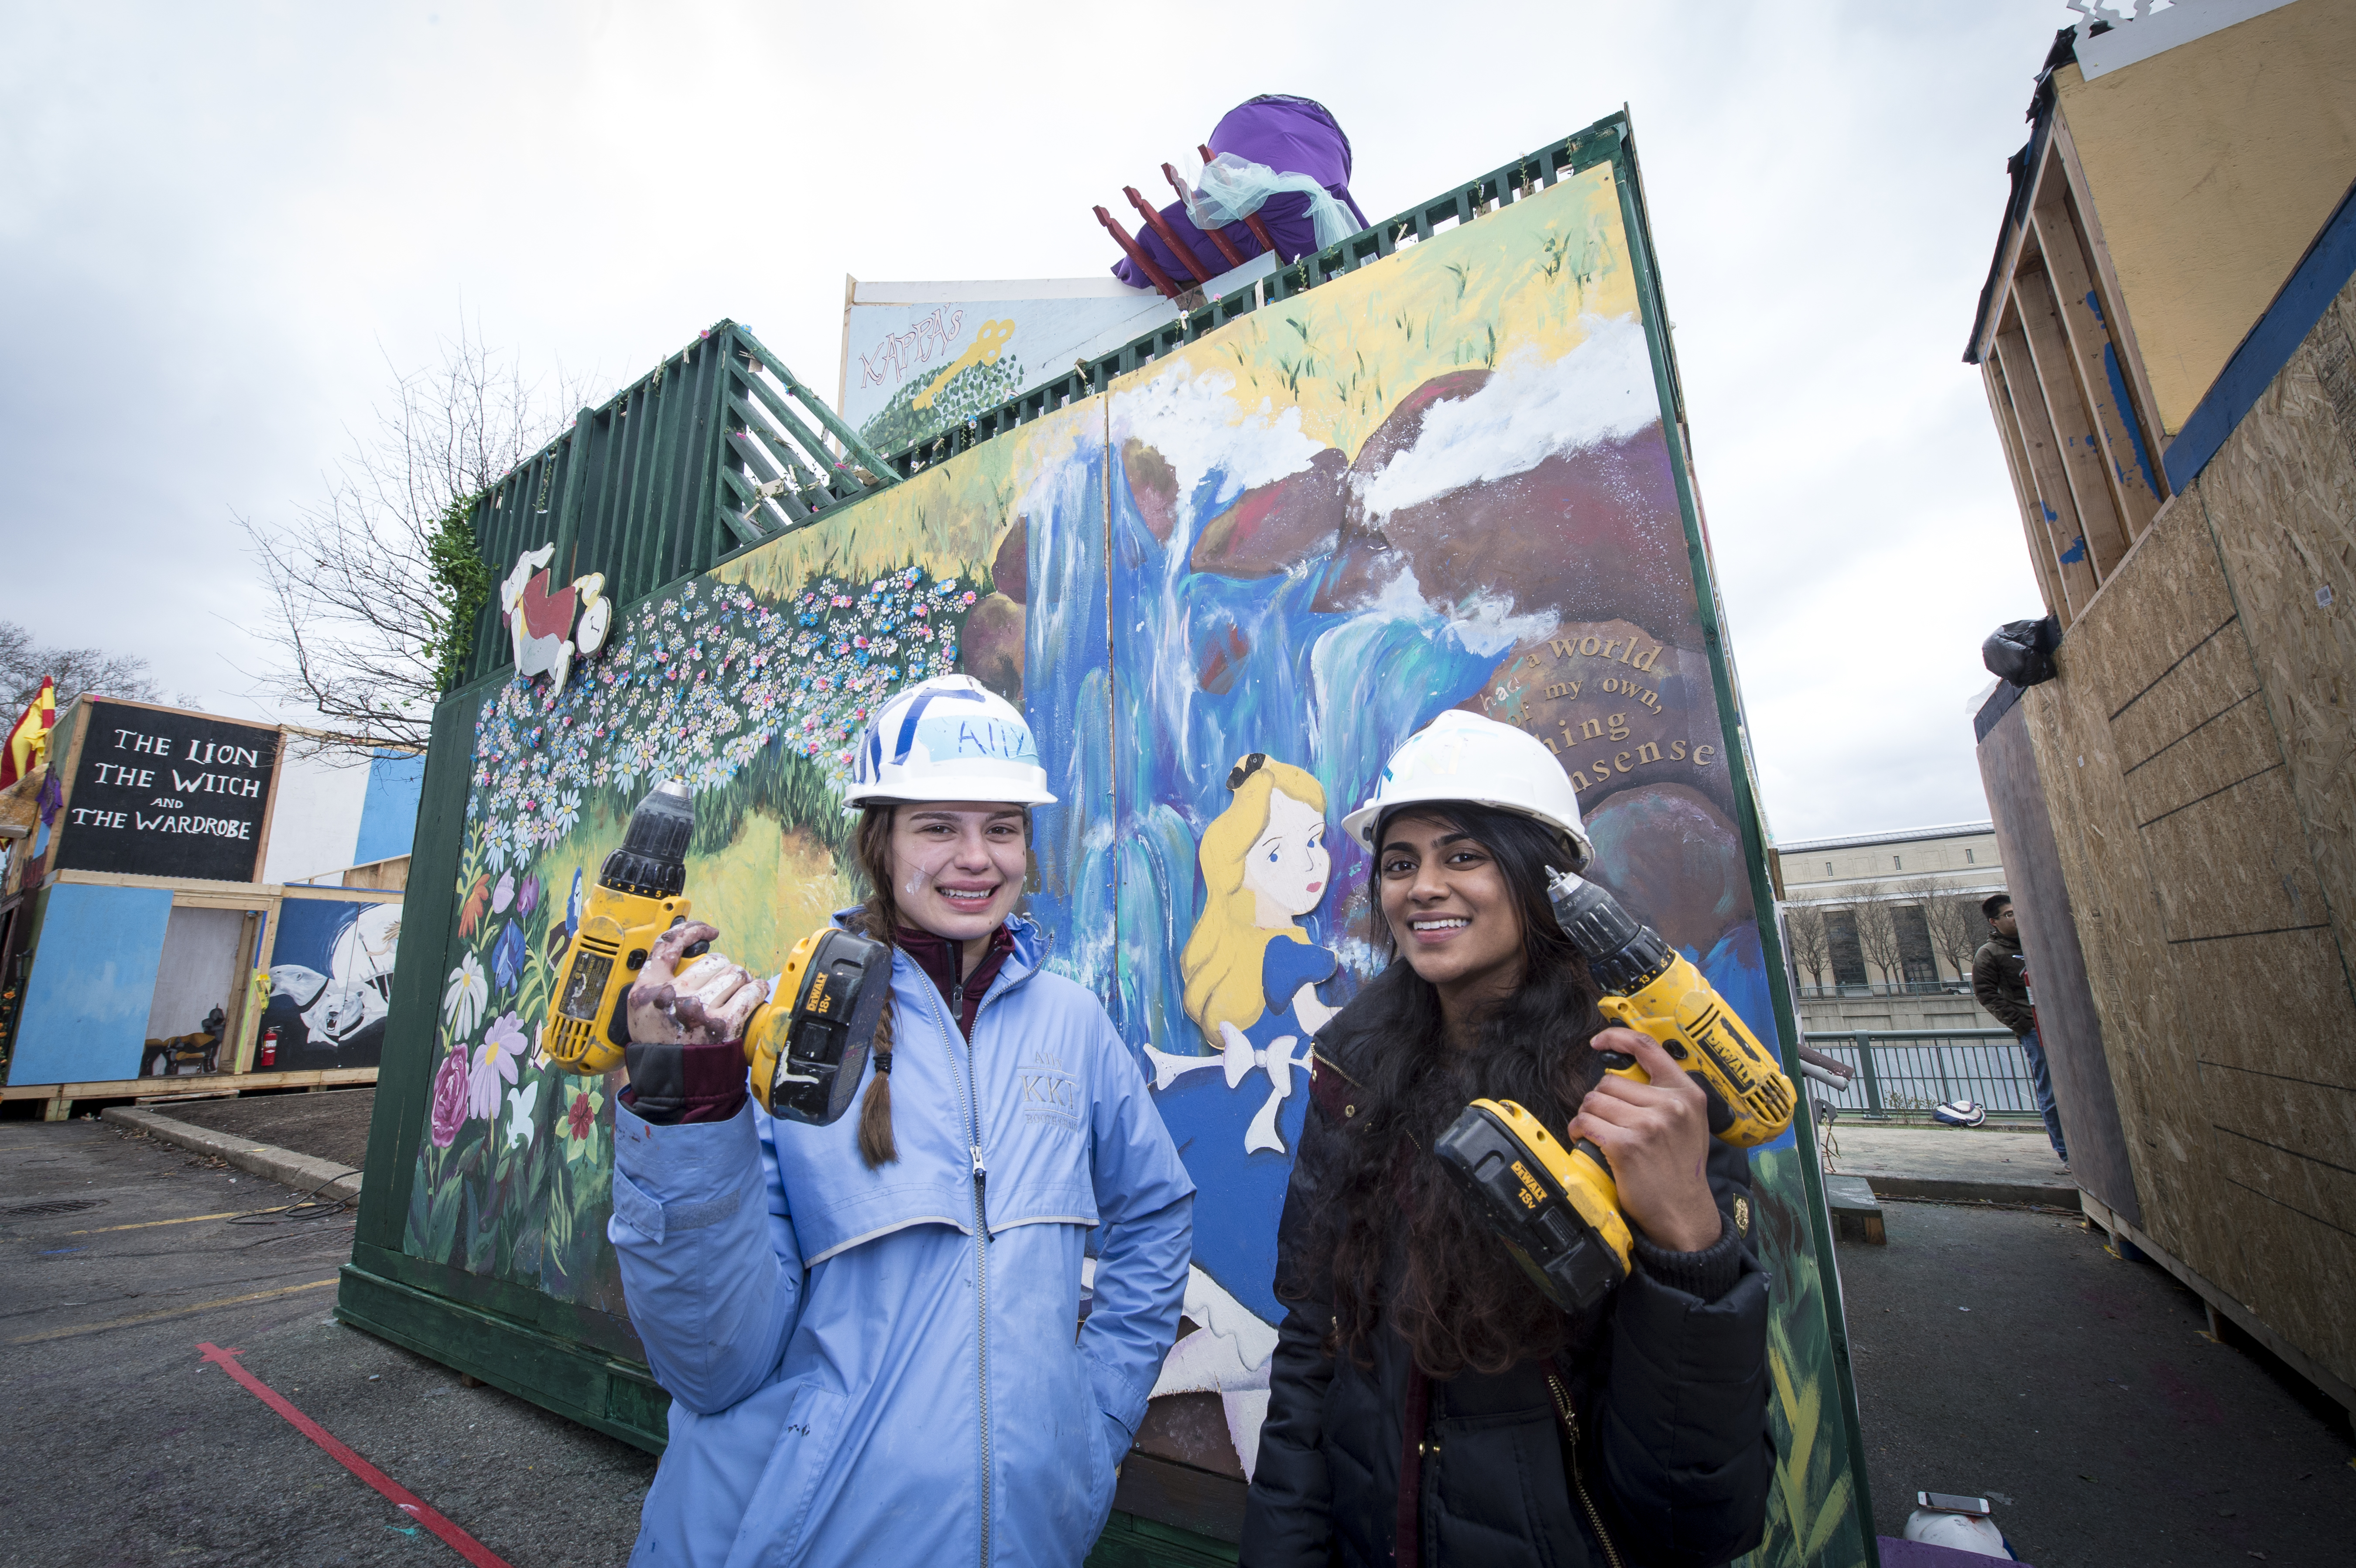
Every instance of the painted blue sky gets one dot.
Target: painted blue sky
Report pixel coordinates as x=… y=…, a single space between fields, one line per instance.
x=226 y=228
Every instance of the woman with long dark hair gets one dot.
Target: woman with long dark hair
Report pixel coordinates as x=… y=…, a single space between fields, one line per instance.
x=1429 y=1405
x=875 y=1334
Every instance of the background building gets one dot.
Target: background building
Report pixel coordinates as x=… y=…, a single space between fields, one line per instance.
x=2167 y=338
x=1881 y=927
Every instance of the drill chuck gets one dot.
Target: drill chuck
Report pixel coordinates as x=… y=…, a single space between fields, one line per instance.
x=652 y=861
x=1623 y=953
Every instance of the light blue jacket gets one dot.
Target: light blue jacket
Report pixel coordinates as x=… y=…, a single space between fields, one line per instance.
x=854 y=1376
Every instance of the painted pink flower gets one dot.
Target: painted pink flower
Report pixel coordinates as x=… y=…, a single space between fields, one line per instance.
x=449 y=1097
x=582 y=1117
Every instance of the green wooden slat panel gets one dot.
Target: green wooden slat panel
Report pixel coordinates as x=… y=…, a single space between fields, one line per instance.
x=664 y=514
x=547 y=1368
x=857 y=450
x=755 y=442
x=405 y=1070
x=822 y=462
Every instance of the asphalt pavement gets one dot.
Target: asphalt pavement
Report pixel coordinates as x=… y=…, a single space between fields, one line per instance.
x=124 y=1447
x=2007 y=1354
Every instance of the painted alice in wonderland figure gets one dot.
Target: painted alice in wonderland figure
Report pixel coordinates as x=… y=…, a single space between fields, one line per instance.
x=1251 y=976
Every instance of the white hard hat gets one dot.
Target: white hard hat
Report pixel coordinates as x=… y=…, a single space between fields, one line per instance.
x=948 y=738
x=1957 y=1532
x=1463 y=757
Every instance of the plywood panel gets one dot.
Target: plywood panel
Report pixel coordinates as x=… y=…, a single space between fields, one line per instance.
x=2150 y=618
x=2197 y=731
x=93 y=973
x=2280 y=498
x=2210 y=952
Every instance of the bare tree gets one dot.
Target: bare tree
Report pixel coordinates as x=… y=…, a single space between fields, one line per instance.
x=1810 y=939
x=1877 y=933
x=23 y=663
x=378 y=586
x=1955 y=926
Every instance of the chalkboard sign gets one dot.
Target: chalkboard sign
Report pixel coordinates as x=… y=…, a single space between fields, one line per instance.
x=162 y=793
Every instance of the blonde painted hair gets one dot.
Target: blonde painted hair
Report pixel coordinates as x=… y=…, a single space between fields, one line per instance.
x=1221 y=962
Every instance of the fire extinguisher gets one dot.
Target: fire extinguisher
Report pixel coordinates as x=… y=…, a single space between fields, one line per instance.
x=270 y=1047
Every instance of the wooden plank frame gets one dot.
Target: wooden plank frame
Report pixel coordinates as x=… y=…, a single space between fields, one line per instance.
x=2072 y=420
x=2067 y=383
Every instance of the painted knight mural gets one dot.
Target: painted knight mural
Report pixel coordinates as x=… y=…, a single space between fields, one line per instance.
x=1222 y=593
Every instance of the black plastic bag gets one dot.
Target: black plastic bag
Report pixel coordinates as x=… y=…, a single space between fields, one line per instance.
x=2022 y=652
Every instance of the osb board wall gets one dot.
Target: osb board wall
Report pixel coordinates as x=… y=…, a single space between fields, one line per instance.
x=2225 y=1011
x=2281 y=503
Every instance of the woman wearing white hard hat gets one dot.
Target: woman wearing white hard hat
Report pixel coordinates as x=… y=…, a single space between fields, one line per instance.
x=1427 y=1402
x=867 y=1329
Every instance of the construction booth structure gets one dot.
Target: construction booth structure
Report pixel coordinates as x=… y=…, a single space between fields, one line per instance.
x=2169 y=341
x=185 y=909
x=1158 y=556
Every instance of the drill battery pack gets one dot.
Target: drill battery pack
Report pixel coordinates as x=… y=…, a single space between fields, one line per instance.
x=1555 y=1209
x=807 y=1057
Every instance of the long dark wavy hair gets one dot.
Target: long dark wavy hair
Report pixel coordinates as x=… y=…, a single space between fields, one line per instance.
x=1405 y=1246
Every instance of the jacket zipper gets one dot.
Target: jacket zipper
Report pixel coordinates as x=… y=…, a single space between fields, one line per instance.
x=980 y=1237
x=1578 y=1477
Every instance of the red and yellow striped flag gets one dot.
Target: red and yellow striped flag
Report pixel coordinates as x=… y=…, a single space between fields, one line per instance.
x=30 y=737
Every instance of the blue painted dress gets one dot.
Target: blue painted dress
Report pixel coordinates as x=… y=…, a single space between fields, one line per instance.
x=1209 y=1122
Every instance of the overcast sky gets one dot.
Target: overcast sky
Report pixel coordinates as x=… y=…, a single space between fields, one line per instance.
x=219 y=225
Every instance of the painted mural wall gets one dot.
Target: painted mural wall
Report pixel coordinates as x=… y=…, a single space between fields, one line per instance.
x=330 y=977
x=1222 y=592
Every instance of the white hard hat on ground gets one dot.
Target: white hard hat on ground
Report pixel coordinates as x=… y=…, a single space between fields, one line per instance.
x=1957 y=1532
x=1463 y=757
x=948 y=738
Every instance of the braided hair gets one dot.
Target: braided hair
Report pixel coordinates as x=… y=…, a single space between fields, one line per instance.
x=881 y=917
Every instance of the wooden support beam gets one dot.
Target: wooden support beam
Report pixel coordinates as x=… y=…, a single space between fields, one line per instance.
x=2024 y=489
x=2129 y=458
x=1252 y=219
x=2064 y=543
x=1219 y=241
x=1135 y=252
x=2080 y=447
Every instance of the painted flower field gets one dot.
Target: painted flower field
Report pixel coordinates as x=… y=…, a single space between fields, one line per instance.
x=754 y=701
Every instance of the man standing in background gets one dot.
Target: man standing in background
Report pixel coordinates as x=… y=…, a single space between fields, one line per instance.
x=2000 y=983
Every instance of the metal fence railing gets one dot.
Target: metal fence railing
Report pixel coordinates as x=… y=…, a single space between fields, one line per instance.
x=1908 y=1072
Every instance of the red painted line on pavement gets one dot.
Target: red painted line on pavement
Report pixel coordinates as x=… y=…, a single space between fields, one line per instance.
x=408 y=1502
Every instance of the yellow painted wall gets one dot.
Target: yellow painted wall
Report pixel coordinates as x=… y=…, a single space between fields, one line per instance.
x=2212 y=166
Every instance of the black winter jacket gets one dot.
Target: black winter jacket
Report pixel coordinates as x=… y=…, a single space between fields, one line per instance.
x=1650 y=1446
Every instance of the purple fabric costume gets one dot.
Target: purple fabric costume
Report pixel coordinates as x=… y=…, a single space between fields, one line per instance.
x=1290 y=136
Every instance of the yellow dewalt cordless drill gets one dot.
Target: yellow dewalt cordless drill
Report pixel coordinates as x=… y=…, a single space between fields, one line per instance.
x=807 y=1055
x=1557 y=1208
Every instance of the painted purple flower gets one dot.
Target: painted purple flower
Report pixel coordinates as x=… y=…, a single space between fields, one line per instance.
x=528 y=896
x=504 y=894
x=507 y=956
x=449 y=1097
x=494 y=1066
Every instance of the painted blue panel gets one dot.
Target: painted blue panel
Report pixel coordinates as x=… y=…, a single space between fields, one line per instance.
x=388 y=811
x=93 y=978
x=2320 y=275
